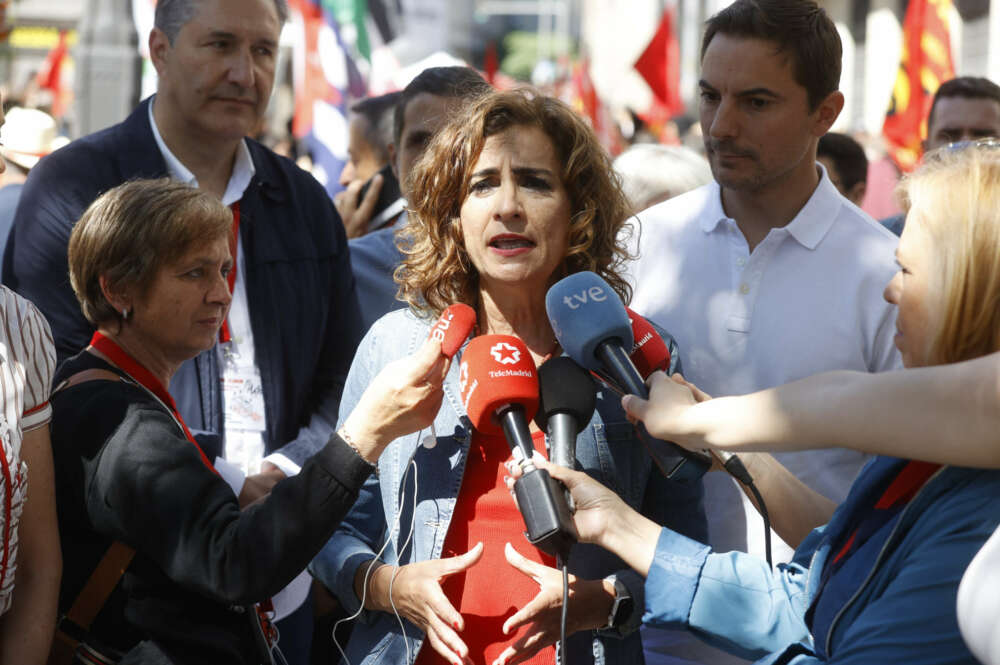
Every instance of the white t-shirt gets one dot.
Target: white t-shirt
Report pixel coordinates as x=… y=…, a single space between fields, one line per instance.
x=979 y=603
x=808 y=299
x=27 y=362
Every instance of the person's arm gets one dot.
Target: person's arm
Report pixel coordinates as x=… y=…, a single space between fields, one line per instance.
x=352 y=565
x=160 y=498
x=793 y=508
x=26 y=630
x=905 y=413
x=733 y=600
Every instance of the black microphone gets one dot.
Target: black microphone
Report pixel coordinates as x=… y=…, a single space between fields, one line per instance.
x=593 y=327
x=567 y=398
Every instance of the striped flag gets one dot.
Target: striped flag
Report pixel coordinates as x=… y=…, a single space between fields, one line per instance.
x=324 y=76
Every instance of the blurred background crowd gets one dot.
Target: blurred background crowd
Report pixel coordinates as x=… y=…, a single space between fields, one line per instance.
x=630 y=68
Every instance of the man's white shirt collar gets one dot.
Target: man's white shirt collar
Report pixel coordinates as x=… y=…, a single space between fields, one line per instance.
x=808 y=227
x=243 y=168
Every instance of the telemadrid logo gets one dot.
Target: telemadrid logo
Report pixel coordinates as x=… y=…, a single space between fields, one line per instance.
x=505 y=354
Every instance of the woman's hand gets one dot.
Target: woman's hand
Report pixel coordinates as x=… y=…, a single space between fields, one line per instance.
x=417 y=595
x=664 y=413
x=588 y=608
x=596 y=507
x=403 y=398
x=600 y=515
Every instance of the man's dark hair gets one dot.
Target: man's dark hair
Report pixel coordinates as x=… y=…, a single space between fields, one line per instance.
x=460 y=82
x=847 y=156
x=172 y=15
x=378 y=115
x=969 y=87
x=799 y=28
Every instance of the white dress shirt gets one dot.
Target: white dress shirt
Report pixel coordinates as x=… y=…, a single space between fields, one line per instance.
x=807 y=299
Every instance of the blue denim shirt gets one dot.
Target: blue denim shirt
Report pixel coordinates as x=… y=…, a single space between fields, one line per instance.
x=415 y=530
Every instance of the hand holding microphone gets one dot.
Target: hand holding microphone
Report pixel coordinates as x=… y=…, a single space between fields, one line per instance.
x=404 y=397
x=451 y=329
x=499 y=389
x=593 y=326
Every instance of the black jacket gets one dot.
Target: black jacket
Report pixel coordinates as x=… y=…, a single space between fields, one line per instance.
x=302 y=301
x=125 y=471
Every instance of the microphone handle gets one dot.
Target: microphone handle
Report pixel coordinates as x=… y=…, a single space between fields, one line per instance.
x=562 y=433
x=617 y=362
x=673 y=461
x=515 y=429
x=548 y=521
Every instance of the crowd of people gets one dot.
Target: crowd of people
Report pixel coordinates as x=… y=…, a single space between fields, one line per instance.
x=229 y=409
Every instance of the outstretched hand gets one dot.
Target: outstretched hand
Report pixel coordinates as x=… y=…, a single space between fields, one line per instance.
x=596 y=506
x=601 y=516
x=403 y=398
x=663 y=414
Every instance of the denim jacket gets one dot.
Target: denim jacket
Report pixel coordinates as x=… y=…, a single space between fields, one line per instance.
x=607 y=450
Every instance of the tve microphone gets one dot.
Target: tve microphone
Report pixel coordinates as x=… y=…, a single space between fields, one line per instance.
x=592 y=326
x=453 y=327
x=649 y=351
x=568 y=398
x=499 y=389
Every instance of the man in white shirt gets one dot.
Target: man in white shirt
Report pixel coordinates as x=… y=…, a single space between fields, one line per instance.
x=767 y=274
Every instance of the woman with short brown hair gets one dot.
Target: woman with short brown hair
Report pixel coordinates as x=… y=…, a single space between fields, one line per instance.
x=149 y=261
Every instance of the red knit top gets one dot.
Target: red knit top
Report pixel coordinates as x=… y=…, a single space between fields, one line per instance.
x=492 y=590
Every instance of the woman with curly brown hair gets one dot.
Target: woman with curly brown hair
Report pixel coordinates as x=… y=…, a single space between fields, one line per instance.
x=513 y=195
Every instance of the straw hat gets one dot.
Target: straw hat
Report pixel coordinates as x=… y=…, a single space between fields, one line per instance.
x=28 y=135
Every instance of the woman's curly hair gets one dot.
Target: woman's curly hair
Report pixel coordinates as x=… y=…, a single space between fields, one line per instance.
x=436 y=271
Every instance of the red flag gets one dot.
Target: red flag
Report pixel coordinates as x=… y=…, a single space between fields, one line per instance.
x=925 y=63
x=490 y=64
x=586 y=101
x=50 y=75
x=659 y=64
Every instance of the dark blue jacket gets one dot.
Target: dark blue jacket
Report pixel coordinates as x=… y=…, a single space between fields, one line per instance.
x=302 y=301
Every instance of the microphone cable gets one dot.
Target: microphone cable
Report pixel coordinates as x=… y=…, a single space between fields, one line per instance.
x=561 y=563
x=734 y=466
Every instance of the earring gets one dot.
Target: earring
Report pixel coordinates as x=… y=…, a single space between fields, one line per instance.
x=125 y=314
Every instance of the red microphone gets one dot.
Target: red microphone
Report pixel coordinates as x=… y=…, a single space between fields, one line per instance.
x=499 y=386
x=650 y=352
x=453 y=327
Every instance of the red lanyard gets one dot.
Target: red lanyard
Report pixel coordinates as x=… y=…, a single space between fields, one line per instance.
x=234 y=243
x=145 y=378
